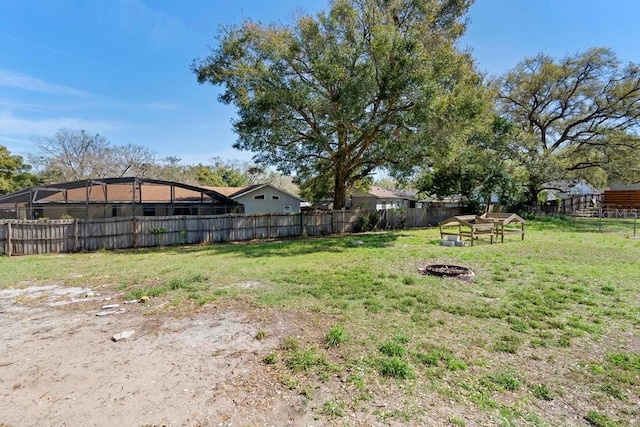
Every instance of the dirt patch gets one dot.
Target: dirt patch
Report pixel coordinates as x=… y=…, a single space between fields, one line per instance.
x=59 y=365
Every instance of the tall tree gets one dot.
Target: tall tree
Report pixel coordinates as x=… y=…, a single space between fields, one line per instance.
x=14 y=173
x=578 y=113
x=368 y=84
x=220 y=173
x=72 y=155
x=477 y=170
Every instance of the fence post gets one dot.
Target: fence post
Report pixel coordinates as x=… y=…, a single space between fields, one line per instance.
x=8 y=249
x=600 y=221
x=134 y=236
x=76 y=240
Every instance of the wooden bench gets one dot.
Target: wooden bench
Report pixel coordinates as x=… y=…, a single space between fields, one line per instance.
x=505 y=223
x=468 y=226
x=586 y=213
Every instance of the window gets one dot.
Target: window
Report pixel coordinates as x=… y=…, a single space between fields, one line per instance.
x=149 y=210
x=116 y=210
x=259 y=197
x=275 y=197
x=185 y=210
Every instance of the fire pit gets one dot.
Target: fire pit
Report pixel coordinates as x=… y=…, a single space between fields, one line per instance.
x=444 y=270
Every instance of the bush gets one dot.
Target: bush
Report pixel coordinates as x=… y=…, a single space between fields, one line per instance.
x=367 y=222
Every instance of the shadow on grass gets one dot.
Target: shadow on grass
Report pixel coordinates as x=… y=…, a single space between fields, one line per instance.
x=284 y=247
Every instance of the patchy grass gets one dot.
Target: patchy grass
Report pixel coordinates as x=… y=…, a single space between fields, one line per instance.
x=552 y=317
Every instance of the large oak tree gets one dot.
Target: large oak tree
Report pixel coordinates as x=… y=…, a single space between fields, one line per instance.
x=576 y=114
x=367 y=84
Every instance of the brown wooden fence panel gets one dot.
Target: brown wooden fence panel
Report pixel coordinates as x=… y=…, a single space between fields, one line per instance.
x=19 y=237
x=105 y=233
x=437 y=214
x=39 y=237
x=318 y=223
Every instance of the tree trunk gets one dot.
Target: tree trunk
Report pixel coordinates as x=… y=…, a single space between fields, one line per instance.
x=340 y=191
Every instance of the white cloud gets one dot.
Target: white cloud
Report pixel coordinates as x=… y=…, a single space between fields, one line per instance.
x=14 y=127
x=17 y=80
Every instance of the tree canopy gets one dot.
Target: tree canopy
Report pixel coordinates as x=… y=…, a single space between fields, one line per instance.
x=14 y=173
x=72 y=155
x=367 y=84
x=477 y=170
x=575 y=114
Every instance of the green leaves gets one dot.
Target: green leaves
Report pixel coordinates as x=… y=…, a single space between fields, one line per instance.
x=364 y=85
x=575 y=115
x=14 y=173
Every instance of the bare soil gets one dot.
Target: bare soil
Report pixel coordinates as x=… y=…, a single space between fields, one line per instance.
x=59 y=365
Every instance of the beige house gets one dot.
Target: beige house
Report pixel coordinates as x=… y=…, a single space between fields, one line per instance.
x=378 y=198
x=262 y=198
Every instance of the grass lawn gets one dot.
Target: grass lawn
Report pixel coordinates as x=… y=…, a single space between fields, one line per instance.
x=547 y=334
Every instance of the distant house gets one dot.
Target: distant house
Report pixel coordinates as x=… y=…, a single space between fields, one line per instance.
x=263 y=198
x=115 y=197
x=565 y=189
x=622 y=186
x=378 y=198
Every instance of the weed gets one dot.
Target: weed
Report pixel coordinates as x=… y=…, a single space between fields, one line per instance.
x=262 y=335
x=459 y=422
x=331 y=408
x=517 y=324
x=401 y=339
x=598 y=419
x=541 y=391
x=626 y=361
x=613 y=391
x=153 y=291
x=289 y=382
x=300 y=360
x=307 y=392
x=508 y=343
x=394 y=367
x=407 y=280
x=392 y=348
x=270 y=359
x=290 y=343
x=357 y=380
x=335 y=336
x=503 y=381
x=433 y=357
x=608 y=289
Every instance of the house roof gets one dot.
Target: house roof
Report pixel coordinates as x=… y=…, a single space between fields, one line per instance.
x=235 y=192
x=383 y=193
x=125 y=190
x=568 y=185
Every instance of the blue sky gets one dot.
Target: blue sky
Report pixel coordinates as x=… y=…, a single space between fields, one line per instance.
x=121 y=67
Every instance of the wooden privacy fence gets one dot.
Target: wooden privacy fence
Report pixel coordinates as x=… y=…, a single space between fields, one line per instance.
x=21 y=237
